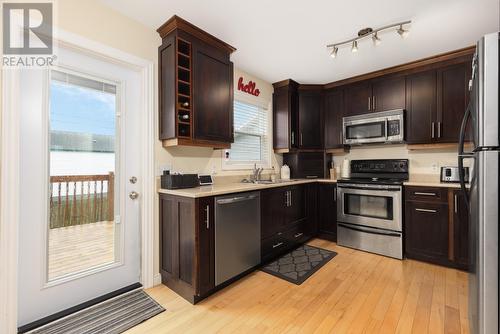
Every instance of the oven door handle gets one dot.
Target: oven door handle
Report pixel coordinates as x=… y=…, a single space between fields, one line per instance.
x=369 y=188
x=370 y=230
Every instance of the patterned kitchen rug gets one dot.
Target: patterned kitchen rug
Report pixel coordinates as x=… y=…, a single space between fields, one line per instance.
x=112 y=316
x=299 y=264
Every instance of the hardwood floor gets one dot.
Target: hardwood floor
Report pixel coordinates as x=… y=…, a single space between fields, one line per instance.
x=356 y=292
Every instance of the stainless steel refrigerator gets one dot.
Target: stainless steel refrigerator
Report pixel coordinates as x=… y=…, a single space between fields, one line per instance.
x=483 y=115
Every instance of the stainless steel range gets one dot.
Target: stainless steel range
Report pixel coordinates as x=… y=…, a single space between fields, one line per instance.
x=370 y=206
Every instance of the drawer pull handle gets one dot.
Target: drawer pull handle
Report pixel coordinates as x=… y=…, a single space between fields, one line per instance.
x=426 y=210
x=280 y=233
x=278 y=244
x=298 y=235
x=424 y=194
x=455 y=204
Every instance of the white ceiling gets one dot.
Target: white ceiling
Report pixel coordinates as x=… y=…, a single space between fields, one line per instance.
x=282 y=39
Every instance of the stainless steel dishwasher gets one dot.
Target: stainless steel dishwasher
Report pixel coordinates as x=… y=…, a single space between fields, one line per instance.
x=237 y=234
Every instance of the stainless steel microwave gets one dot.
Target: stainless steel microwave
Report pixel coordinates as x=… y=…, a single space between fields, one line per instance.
x=377 y=127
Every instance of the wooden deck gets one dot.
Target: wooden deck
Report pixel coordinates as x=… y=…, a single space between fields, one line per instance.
x=356 y=292
x=77 y=248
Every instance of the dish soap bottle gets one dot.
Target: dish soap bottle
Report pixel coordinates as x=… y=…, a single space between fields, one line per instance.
x=285 y=172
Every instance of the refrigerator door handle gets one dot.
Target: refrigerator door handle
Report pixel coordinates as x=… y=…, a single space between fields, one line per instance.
x=464 y=155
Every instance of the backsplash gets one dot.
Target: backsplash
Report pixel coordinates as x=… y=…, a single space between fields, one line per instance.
x=421 y=161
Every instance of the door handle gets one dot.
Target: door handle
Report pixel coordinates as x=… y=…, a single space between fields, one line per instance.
x=455 y=202
x=133 y=180
x=424 y=194
x=426 y=210
x=207 y=221
x=133 y=195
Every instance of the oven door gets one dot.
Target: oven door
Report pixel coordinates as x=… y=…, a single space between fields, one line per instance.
x=378 y=206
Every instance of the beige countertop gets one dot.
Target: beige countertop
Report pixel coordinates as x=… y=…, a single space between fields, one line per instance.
x=235 y=187
x=429 y=180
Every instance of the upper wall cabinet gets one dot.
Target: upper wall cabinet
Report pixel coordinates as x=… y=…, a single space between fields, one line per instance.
x=195 y=87
x=334 y=111
x=385 y=93
x=435 y=104
x=285 y=116
x=310 y=118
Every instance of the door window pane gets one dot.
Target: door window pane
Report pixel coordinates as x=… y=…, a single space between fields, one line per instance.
x=82 y=232
x=368 y=206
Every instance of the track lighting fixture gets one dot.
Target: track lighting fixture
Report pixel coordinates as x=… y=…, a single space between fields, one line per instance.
x=367 y=32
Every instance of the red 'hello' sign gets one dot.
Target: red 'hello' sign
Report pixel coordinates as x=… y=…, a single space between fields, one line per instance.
x=248 y=88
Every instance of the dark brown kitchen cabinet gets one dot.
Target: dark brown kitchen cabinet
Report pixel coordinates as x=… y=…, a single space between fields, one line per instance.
x=195 y=87
x=437 y=226
x=327 y=211
x=388 y=93
x=212 y=94
x=310 y=119
x=452 y=99
x=285 y=115
x=426 y=231
x=435 y=104
x=187 y=246
x=381 y=94
x=284 y=219
x=420 y=107
x=461 y=230
x=358 y=98
x=334 y=111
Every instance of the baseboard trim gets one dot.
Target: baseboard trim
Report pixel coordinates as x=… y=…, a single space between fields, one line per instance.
x=157 y=279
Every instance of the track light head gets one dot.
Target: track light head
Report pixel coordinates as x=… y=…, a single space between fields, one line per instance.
x=333 y=54
x=402 y=32
x=354 y=47
x=376 y=40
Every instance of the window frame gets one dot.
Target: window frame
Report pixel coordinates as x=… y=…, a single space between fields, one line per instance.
x=266 y=162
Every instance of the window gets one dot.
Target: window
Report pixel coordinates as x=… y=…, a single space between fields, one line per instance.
x=251 y=137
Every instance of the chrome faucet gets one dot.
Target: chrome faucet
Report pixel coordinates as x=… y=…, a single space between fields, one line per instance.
x=256 y=173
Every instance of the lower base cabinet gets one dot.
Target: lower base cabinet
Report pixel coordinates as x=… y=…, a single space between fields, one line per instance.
x=436 y=226
x=327 y=211
x=187 y=245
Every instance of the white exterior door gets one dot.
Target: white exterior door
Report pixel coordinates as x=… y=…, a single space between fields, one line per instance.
x=79 y=230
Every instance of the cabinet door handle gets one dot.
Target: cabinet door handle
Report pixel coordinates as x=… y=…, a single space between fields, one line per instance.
x=207 y=221
x=439 y=129
x=374 y=103
x=335 y=195
x=293 y=138
x=298 y=235
x=301 y=141
x=277 y=245
x=424 y=194
x=432 y=129
x=455 y=202
x=369 y=102
x=290 y=198
x=426 y=210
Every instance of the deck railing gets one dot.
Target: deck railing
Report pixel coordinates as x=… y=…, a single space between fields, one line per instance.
x=81 y=199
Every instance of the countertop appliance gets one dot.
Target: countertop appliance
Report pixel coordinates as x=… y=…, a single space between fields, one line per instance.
x=483 y=198
x=377 y=127
x=370 y=206
x=237 y=234
x=178 y=181
x=205 y=180
x=451 y=174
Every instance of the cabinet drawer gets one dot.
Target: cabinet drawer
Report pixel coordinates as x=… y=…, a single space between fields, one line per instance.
x=274 y=245
x=297 y=235
x=426 y=194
